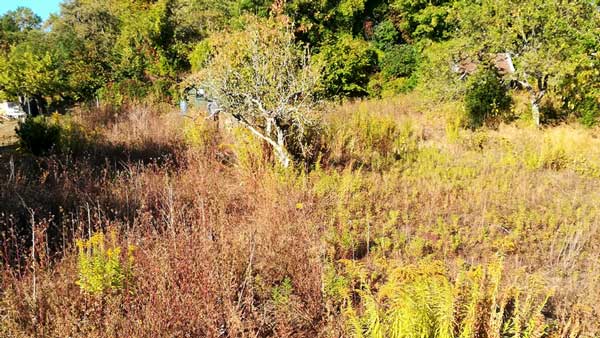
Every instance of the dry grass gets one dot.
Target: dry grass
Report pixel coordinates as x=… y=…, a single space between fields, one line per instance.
x=228 y=244
x=7 y=132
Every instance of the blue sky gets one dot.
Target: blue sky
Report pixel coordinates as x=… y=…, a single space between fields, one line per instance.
x=42 y=8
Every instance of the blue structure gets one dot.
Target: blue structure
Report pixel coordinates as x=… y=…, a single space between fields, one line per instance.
x=196 y=97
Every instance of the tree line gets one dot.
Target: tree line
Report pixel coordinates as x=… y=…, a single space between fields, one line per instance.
x=116 y=51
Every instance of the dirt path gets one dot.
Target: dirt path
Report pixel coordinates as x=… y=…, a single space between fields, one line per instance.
x=7 y=133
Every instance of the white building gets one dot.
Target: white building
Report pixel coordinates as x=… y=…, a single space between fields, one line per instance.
x=12 y=110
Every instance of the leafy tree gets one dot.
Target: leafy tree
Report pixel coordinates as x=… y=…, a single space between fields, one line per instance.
x=399 y=61
x=85 y=33
x=549 y=40
x=196 y=19
x=264 y=80
x=420 y=19
x=15 y=25
x=346 y=66
x=114 y=44
x=31 y=70
x=321 y=21
x=580 y=93
x=20 y=20
x=385 y=35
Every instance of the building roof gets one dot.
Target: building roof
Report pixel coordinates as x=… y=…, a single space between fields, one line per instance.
x=502 y=62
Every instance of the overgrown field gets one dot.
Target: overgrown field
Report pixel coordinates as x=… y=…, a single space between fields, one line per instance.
x=152 y=225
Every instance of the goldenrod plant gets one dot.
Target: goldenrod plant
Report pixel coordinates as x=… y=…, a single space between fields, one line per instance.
x=102 y=267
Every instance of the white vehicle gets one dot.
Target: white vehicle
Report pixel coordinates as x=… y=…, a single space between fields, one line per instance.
x=12 y=110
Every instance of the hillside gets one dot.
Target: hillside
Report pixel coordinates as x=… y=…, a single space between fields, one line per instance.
x=407 y=226
x=298 y=168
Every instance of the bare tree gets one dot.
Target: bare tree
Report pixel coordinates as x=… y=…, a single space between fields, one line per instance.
x=262 y=78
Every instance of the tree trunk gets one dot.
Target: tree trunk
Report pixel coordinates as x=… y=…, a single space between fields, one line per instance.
x=536 y=98
x=535 y=111
x=282 y=154
x=278 y=147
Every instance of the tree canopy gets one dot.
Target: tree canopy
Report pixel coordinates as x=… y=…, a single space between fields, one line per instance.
x=549 y=41
x=121 y=50
x=264 y=79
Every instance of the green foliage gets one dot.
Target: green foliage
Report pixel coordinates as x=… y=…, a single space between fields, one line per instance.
x=550 y=41
x=399 y=61
x=322 y=21
x=346 y=66
x=486 y=97
x=385 y=35
x=381 y=87
x=437 y=80
x=257 y=7
x=580 y=93
x=94 y=45
x=31 y=68
x=200 y=134
x=200 y=55
x=589 y=110
x=282 y=292
x=101 y=265
x=117 y=93
x=74 y=138
x=16 y=25
x=422 y=301
x=20 y=20
x=265 y=81
x=42 y=135
x=38 y=135
x=420 y=19
x=96 y=49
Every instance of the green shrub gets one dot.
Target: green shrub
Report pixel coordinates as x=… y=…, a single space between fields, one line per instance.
x=118 y=93
x=486 y=97
x=385 y=35
x=382 y=88
x=346 y=66
x=200 y=54
x=589 y=111
x=42 y=135
x=38 y=135
x=74 y=138
x=399 y=61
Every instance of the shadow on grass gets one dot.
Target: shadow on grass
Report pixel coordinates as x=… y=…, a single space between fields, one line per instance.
x=66 y=194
